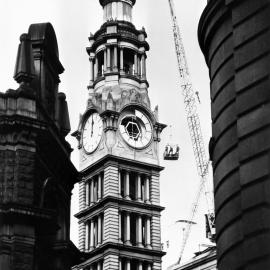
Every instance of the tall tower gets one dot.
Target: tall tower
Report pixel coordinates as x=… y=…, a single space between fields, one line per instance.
x=118 y=135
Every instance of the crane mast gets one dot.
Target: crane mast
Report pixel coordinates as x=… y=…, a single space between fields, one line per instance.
x=194 y=129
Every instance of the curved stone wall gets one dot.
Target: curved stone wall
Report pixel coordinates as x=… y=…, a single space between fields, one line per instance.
x=234 y=37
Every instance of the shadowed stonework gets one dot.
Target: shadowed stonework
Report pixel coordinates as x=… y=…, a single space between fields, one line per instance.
x=234 y=37
x=36 y=174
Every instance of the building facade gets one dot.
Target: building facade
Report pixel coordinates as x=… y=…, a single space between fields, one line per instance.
x=118 y=136
x=234 y=37
x=203 y=260
x=36 y=174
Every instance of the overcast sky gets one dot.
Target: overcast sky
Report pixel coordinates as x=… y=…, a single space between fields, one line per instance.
x=73 y=20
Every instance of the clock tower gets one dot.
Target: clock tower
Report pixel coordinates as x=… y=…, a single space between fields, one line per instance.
x=118 y=137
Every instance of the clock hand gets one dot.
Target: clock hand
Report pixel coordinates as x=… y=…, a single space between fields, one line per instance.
x=92 y=124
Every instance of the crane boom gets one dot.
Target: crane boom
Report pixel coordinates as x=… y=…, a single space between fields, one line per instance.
x=194 y=126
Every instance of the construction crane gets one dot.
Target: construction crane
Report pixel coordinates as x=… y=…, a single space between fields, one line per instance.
x=195 y=133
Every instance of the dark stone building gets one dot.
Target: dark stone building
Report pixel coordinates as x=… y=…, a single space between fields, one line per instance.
x=234 y=37
x=36 y=174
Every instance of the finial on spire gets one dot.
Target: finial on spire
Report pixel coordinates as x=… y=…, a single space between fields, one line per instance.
x=24 y=68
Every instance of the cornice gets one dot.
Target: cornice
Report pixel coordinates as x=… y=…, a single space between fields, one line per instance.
x=110 y=247
x=127 y=76
x=120 y=160
x=15 y=210
x=119 y=203
x=101 y=36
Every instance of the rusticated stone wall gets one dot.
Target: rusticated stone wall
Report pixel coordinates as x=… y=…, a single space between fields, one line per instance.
x=234 y=37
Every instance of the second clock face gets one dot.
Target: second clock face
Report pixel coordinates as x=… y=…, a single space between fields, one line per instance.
x=136 y=129
x=92 y=132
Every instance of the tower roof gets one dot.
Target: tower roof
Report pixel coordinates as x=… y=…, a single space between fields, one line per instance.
x=105 y=2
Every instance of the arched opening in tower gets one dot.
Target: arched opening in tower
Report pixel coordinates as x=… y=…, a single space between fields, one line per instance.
x=100 y=63
x=128 y=61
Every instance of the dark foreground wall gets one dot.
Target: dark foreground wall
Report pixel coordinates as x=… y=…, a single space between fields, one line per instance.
x=36 y=174
x=234 y=37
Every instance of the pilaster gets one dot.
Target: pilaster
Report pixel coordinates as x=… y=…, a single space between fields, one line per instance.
x=82 y=236
x=111 y=225
x=156 y=232
x=111 y=262
x=111 y=180
x=82 y=198
x=155 y=189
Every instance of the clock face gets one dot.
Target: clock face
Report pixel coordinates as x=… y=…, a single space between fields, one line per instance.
x=136 y=129
x=92 y=132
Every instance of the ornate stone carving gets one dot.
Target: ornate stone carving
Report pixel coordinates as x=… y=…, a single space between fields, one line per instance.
x=115 y=98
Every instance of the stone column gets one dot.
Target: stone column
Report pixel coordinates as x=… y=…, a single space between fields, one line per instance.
x=120 y=227
x=115 y=57
x=99 y=266
x=139 y=66
x=139 y=231
x=92 y=192
x=121 y=60
x=92 y=234
x=105 y=60
x=91 y=59
x=95 y=233
x=147 y=189
x=149 y=267
x=87 y=194
x=82 y=195
x=119 y=183
x=95 y=189
x=109 y=58
x=143 y=67
x=99 y=186
x=127 y=229
x=96 y=68
x=102 y=226
x=120 y=264
x=148 y=232
x=127 y=264
x=138 y=188
x=135 y=64
x=127 y=197
x=91 y=267
x=86 y=237
x=95 y=71
x=140 y=265
x=99 y=230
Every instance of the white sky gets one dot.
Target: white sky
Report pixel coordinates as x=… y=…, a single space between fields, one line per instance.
x=73 y=21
